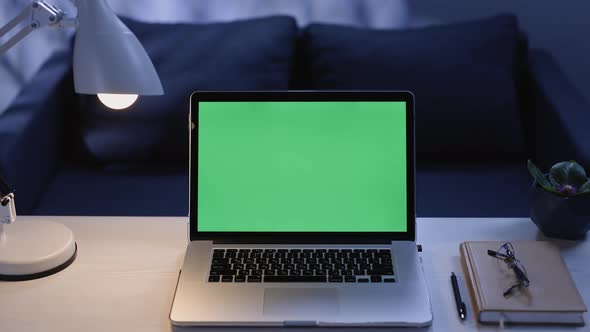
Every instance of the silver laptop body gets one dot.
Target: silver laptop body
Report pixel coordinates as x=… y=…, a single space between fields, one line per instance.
x=276 y=267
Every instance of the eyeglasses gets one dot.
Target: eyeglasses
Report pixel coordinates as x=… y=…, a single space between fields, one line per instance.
x=507 y=254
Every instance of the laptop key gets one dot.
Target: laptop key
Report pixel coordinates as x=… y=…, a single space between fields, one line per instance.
x=362 y=280
x=380 y=272
x=240 y=278
x=256 y=272
x=282 y=272
x=382 y=267
x=294 y=279
x=270 y=272
x=307 y=272
x=254 y=278
x=349 y=279
x=335 y=278
x=227 y=278
x=213 y=278
x=375 y=278
x=388 y=280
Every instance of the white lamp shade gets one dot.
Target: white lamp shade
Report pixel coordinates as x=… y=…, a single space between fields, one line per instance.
x=108 y=58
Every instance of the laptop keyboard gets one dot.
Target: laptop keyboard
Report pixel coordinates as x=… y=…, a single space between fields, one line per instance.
x=302 y=265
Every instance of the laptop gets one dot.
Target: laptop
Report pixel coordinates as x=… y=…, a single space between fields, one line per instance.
x=301 y=212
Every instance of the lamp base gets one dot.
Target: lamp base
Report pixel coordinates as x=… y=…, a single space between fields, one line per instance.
x=35 y=249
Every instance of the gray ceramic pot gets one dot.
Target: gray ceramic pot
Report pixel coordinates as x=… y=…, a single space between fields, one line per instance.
x=557 y=216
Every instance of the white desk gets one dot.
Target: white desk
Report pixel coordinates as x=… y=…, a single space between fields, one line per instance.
x=125 y=274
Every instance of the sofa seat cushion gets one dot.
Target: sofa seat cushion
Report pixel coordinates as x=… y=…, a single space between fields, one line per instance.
x=496 y=190
x=126 y=191
x=463 y=76
x=242 y=55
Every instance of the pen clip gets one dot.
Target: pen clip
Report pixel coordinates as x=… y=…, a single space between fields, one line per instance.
x=463 y=311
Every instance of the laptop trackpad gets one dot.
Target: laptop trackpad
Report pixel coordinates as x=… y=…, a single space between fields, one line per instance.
x=300 y=302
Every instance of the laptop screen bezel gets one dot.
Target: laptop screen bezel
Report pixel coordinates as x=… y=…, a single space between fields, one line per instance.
x=303 y=237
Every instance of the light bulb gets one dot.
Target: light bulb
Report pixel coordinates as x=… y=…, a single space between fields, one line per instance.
x=117 y=101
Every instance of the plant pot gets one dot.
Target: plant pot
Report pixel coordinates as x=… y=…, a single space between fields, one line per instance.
x=558 y=216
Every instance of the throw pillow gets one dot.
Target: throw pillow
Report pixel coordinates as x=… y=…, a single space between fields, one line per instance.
x=241 y=55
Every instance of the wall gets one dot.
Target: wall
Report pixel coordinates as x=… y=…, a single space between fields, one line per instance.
x=561 y=27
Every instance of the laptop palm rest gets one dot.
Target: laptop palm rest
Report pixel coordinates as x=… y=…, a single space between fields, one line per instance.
x=306 y=303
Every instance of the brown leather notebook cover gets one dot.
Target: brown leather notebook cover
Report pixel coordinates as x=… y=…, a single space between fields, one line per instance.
x=551 y=298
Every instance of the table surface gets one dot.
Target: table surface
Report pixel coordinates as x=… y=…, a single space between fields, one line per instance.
x=126 y=270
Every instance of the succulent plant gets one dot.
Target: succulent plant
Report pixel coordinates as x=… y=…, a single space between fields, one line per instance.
x=566 y=178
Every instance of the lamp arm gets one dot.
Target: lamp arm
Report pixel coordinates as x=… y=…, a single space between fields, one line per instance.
x=7 y=206
x=37 y=14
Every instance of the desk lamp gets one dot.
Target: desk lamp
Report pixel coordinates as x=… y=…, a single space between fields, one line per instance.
x=110 y=62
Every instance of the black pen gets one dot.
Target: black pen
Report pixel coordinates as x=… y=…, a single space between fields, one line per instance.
x=458 y=301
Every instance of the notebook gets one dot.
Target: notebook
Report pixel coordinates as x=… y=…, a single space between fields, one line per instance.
x=550 y=298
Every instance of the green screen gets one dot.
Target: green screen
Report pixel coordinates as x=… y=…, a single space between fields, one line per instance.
x=301 y=167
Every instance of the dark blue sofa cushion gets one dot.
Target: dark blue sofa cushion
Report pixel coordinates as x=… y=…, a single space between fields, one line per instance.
x=462 y=76
x=242 y=55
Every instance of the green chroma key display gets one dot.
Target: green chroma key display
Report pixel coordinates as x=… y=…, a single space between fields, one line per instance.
x=302 y=167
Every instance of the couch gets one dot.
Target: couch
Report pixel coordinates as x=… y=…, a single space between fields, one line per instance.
x=485 y=103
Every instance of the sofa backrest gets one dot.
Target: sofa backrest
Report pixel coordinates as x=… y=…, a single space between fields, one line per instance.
x=465 y=76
